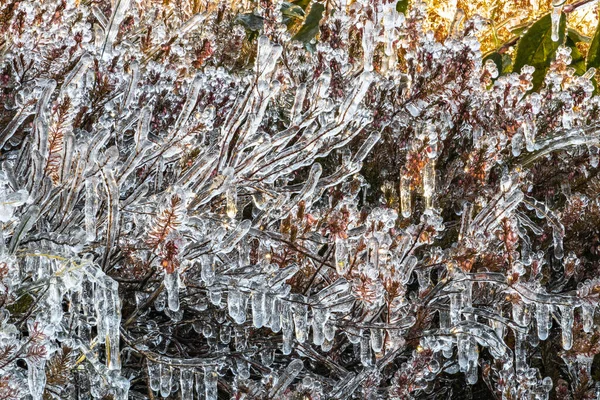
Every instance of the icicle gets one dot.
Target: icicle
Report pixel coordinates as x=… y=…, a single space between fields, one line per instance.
x=102 y=20
x=462 y=346
x=329 y=330
x=300 y=315
x=368 y=45
x=76 y=74
x=287 y=329
x=135 y=77
x=465 y=220
x=141 y=145
x=455 y=303
x=210 y=383
x=199 y=385
x=471 y=372
x=166 y=380
x=268 y=309
x=517 y=144
x=154 y=376
x=318 y=323
x=190 y=102
x=529 y=134
x=566 y=324
x=350 y=105
x=455 y=26
x=171 y=284
x=589 y=74
x=341 y=256
x=118 y=14
x=298 y=102
x=236 y=303
x=190 y=24
x=501 y=206
x=225 y=334
x=347 y=386
x=467 y=294
x=365 y=149
x=520 y=354
x=557 y=7
x=405 y=201
x=409 y=266
x=557 y=239
x=215 y=296
x=259 y=312
x=543 y=320
x=373 y=252
x=243 y=369
x=231 y=202
x=308 y=191
x=377 y=335
x=276 y=315
x=365 y=350
x=424 y=279
x=287 y=377
x=36 y=378
x=587 y=316
x=526 y=258
x=112 y=320
x=112 y=191
x=268 y=55
x=594 y=156
x=91 y=208
x=208 y=270
x=234 y=237
x=267 y=357
x=429 y=182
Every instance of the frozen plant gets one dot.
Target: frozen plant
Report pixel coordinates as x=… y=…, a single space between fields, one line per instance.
x=283 y=200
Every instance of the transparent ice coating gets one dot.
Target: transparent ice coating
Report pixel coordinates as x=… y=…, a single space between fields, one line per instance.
x=285 y=256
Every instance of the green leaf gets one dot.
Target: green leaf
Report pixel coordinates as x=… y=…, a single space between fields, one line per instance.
x=576 y=36
x=578 y=62
x=536 y=48
x=506 y=64
x=593 y=56
x=302 y=3
x=519 y=29
x=292 y=10
x=310 y=28
x=22 y=305
x=402 y=6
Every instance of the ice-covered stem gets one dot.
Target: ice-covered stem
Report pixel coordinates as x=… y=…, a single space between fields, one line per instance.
x=117 y=16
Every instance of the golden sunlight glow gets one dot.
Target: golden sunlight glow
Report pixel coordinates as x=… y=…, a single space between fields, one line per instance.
x=507 y=19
